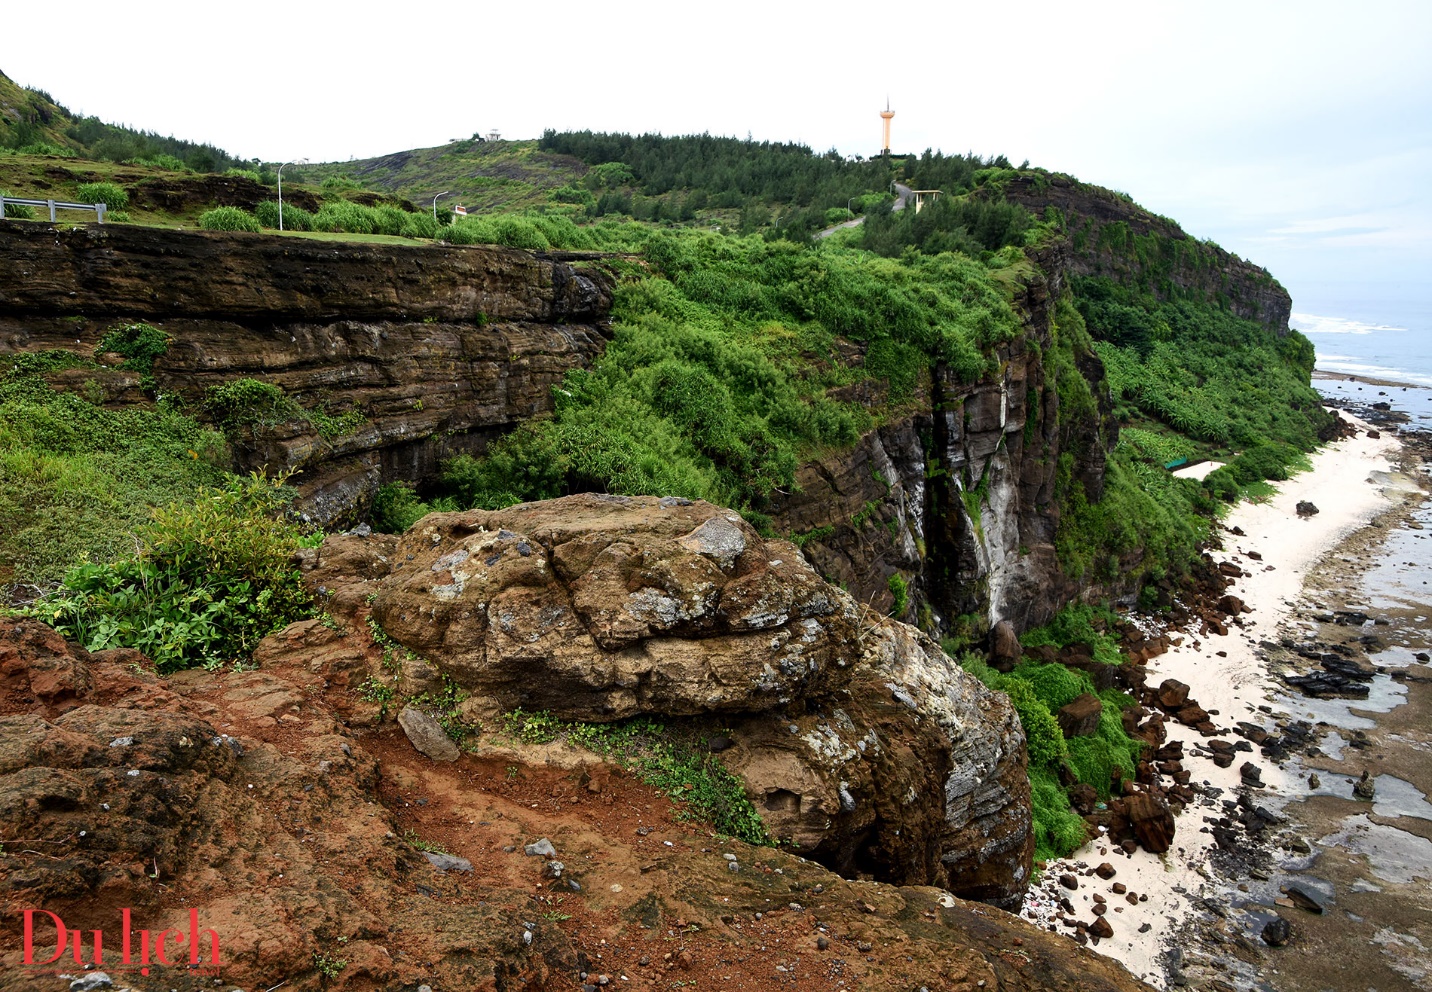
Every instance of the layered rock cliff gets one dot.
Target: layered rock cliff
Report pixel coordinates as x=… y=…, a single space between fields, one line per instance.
x=438 y=349
x=1110 y=235
x=956 y=501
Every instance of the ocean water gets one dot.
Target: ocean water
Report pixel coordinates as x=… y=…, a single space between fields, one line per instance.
x=1373 y=339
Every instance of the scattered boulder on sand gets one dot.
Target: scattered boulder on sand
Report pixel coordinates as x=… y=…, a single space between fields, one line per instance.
x=1080 y=718
x=1152 y=821
x=1276 y=932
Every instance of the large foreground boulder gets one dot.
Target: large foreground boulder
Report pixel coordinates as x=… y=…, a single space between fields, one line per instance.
x=602 y=607
x=859 y=740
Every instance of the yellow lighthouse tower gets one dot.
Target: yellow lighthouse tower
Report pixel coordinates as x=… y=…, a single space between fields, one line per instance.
x=885 y=116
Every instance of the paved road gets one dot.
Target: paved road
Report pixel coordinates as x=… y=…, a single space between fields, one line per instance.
x=902 y=196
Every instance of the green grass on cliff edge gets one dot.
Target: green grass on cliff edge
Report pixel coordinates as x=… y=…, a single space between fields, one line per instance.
x=723 y=371
x=77 y=478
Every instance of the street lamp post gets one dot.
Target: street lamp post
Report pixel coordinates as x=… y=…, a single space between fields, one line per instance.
x=435 y=204
x=302 y=161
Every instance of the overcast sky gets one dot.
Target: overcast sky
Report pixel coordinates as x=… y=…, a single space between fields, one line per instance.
x=1298 y=134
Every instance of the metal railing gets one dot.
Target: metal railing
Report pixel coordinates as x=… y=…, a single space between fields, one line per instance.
x=98 y=208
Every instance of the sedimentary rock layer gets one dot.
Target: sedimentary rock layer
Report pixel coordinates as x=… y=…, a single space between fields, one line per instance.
x=438 y=348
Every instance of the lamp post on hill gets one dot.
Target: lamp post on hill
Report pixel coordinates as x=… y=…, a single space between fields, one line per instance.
x=435 y=204
x=302 y=161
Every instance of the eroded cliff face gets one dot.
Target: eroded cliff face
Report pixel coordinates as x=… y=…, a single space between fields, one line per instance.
x=439 y=349
x=1110 y=235
x=957 y=500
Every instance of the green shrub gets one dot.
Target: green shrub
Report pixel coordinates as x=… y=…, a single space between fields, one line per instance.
x=250 y=174
x=294 y=218
x=211 y=578
x=331 y=427
x=342 y=216
x=247 y=404
x=338 y=185
x=117 y=217
x=1075 y=624
x=1095 y=758
x=228 y=219
x=1055 y=685
x=112 y=195
x=389 y=220
x=396 y=507
x=419 y=225
x=900 y=591
x=161 y=162
x=140 y=344
x=1041 y=731
x=469 y=231
x=17 y=211
x=1058 y=830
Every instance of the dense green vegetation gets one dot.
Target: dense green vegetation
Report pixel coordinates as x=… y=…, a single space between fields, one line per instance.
x=709 y=389
x=1038 y=690
x=77 y=478
x=208 y=579
x=36 y=124
x=972 y=225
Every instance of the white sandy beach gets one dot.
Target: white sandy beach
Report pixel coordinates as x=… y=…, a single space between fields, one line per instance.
x=1348 y=483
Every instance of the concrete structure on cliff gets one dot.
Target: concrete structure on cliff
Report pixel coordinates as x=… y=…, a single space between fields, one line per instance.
x=885 y=117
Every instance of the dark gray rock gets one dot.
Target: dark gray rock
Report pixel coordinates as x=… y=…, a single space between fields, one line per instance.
x=1303 y=899
x=1276 y=932
x=447 y=862
x=540 y=849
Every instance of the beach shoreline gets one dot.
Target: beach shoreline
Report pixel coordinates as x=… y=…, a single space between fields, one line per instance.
x=1358 y=486
x=1366 y=380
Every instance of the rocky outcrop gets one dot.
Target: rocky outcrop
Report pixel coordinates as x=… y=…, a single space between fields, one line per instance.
x=858 y=739
x=1104 y=229
x=602 y=607
x=243 y=798
x=438 y=348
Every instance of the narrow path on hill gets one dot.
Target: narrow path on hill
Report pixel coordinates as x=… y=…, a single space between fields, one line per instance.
x=902 y=194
